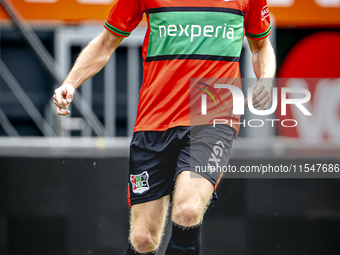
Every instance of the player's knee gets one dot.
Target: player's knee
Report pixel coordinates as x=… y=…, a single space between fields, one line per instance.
x=144 y=242
x=186 y=214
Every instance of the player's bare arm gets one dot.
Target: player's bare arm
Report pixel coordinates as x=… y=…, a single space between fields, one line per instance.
x=90 y=61
x=264 y=67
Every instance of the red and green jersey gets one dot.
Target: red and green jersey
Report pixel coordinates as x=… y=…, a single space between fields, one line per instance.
x=186 y=40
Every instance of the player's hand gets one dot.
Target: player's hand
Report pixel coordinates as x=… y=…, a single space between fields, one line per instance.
x=63 y=96
x=261 y=94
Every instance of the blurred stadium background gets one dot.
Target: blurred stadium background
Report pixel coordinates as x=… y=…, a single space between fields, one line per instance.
x=63 y=180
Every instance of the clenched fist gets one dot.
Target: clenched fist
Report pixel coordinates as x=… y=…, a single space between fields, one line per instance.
x=261 y=96
x=63 y=96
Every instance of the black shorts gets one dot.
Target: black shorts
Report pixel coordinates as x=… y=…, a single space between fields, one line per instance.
x=157 y=157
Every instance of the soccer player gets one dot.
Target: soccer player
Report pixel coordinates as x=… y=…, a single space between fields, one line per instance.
x=189 y=46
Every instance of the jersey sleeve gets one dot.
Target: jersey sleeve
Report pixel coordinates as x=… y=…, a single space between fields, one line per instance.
x=124 y=17
x=257 y=20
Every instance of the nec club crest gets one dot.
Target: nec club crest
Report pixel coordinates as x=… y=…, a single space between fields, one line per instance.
x=140 y=183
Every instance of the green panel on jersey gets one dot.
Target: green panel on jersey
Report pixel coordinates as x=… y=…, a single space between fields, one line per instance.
x=201 y=33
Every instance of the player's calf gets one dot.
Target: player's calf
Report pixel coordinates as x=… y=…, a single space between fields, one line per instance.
x=184 y=240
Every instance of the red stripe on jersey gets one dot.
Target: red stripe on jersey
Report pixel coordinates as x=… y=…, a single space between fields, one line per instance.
x=129 y=196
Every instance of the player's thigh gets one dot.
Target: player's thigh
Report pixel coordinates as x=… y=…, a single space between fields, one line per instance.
x=191 y=196
x=148 y=219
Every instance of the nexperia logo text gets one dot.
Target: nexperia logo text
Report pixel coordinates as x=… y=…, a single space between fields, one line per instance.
x=192 y=31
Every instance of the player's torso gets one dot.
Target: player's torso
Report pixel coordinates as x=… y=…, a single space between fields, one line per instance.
x=186 y=39
x=195 y=27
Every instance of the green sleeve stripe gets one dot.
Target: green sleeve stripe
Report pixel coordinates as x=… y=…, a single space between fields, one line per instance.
x=259 y=35
x=116 y=30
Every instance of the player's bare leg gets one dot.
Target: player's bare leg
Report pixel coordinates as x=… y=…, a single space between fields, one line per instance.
x=191 y=197
x=147 y=224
